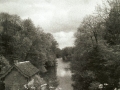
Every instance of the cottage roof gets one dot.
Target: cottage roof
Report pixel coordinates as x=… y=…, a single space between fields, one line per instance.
x=25 y=68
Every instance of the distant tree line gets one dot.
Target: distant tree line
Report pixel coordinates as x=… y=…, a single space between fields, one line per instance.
x=96 y=58
x=21 y=40
x=67 y=53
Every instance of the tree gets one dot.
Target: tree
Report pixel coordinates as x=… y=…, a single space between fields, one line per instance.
x=113 y=25
x=21 y=40
x=67 y=53
x=92 y=55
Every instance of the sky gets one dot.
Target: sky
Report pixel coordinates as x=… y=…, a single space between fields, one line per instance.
x=58 y=17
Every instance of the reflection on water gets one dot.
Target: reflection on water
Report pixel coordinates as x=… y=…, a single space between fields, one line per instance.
x=51 y=78
x=64 y=75
x=59 y=77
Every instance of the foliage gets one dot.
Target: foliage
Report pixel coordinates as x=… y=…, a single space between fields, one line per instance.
x=58 y=53
x=67 y=53
x=96 y=53
x=21 y=40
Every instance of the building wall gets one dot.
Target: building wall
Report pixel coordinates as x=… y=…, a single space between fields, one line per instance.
x=14 y=80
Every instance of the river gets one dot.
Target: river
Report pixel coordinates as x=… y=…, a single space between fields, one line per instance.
x=64 y=75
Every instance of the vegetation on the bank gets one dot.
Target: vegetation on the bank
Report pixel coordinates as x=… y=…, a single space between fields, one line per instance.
x=96 y=57
x=21 y=40
x=67 y=53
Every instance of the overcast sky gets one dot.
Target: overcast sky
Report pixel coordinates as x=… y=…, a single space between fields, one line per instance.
x=59 y=17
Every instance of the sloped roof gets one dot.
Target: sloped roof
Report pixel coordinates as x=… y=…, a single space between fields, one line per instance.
x=25 y=68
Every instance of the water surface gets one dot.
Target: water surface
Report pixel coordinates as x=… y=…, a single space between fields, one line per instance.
x=64 y=75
